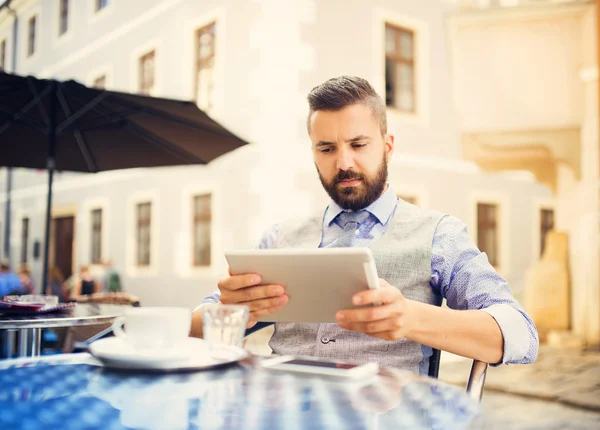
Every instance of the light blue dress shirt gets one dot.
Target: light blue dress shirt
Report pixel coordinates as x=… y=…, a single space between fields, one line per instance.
x=460 y=273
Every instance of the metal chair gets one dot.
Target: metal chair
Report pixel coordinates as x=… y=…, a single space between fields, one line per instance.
x=476 y=377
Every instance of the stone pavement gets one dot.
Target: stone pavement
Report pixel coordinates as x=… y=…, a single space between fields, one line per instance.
x=567 y=376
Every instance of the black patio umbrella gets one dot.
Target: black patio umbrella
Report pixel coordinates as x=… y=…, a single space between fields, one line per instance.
x=47 y=124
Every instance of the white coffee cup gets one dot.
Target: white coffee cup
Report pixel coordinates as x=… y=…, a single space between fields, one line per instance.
x=154 y=327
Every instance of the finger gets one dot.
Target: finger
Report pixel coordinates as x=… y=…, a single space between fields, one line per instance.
x=236 y=282
x=250 y=294
x=257 y=305
x=385 y=294
x=268 y=311
x=372 y=313
x=373 y=327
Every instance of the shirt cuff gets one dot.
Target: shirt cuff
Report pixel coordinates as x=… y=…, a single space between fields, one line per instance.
x=520 y=345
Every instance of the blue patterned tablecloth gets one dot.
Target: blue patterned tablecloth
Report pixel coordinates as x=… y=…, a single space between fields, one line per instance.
x=75 y=392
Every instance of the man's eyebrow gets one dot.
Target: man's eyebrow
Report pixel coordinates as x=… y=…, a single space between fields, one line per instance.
x=358 y=138
x=324 y=143
x=355 y=139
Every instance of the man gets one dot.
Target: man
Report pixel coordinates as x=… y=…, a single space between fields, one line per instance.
x=9 y=281
x=422 y=256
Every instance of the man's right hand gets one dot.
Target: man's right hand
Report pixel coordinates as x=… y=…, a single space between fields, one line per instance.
x=246 y=290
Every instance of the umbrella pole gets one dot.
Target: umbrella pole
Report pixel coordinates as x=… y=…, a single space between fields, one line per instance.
x=50 y=165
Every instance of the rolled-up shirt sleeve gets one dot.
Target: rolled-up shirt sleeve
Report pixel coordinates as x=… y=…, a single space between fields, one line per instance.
x=266 y=242
x=464 y=277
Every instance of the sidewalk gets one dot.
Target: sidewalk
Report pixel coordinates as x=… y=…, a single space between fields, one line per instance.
x=567 y=376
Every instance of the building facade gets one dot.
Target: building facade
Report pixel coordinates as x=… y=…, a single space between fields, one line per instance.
x=250 y=65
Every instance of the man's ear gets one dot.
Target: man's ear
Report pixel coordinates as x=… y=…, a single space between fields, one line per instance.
x=390 y=146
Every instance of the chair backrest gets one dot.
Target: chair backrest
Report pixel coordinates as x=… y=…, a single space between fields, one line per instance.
x=476 y=377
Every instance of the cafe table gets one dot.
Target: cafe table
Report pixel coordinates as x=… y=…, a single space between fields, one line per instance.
x=28 y=327
x=74 y=391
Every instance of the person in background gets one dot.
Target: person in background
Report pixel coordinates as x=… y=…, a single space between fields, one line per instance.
x=26 y=279
x=86 y=286
x=56 y=284
x=9 y=281
x=111 y=281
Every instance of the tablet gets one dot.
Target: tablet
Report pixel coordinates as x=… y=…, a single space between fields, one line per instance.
x=319 y=282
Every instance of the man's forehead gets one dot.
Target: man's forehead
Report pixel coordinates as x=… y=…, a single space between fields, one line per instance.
x=345 y=123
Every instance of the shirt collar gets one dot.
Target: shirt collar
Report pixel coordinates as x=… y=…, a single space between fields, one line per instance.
x=381 y=208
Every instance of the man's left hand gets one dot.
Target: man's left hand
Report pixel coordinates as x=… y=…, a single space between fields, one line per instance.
x=392 y=320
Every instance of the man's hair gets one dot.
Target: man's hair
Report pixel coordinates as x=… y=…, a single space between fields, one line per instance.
x=338 y=93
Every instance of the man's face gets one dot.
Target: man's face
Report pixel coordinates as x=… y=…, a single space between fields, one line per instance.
x=351 y=155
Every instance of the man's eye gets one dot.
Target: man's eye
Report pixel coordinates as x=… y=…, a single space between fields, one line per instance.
x=326 y=150
x=358 y=145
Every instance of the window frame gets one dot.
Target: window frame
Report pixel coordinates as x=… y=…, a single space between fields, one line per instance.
x=200 y=63
x=63 y=17
x=141 y=76
x=98 y=8
x=503 y=237
x=489 y=224
x=131 y=233
x=3 y=56
x=143 y=223
x=422 y=73
x=31 y=45
x=200 y=219
x=96 y=259
x=24 y=236
x=218 y=16
x=397 y=58
x=539 y=204
x=135 y=84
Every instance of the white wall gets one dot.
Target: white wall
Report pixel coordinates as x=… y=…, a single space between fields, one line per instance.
x=543 y=91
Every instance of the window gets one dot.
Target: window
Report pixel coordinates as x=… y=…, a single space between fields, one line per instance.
x=101 y=4
x=143 y=223
x=63 y=19
x=201 y=229
x=487 y=231
x=96 y=251
x=205 y=62
x=31 y=38
x=400 y=68
x=24 y=239
x=99 y=82
x=147 y=73
x=3 y=54
x=410 y=199
x=546 y=225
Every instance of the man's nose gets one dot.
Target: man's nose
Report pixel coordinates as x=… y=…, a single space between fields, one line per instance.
x=345 y=160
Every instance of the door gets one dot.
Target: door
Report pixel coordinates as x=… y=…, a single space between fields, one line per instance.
x=64 y=231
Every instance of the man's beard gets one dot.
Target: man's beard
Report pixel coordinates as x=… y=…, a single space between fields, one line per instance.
x=357 y=197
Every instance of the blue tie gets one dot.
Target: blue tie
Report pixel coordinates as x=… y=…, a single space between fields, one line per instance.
x=350 y=221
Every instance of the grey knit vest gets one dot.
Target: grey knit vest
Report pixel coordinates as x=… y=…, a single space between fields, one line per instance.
x=403 y=258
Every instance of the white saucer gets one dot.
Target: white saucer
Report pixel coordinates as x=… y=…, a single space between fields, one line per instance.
x=192 y=354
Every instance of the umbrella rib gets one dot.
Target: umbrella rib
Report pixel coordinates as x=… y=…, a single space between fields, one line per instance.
x=40 y=106
x=106 y=120
x=176 y=119
x=85 y=109
x=167 y=146
x=148 y=135
x=81 y=142
x=26 y=122
x=26 y=109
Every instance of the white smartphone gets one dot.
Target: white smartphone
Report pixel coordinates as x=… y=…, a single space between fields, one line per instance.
x=319 y=366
